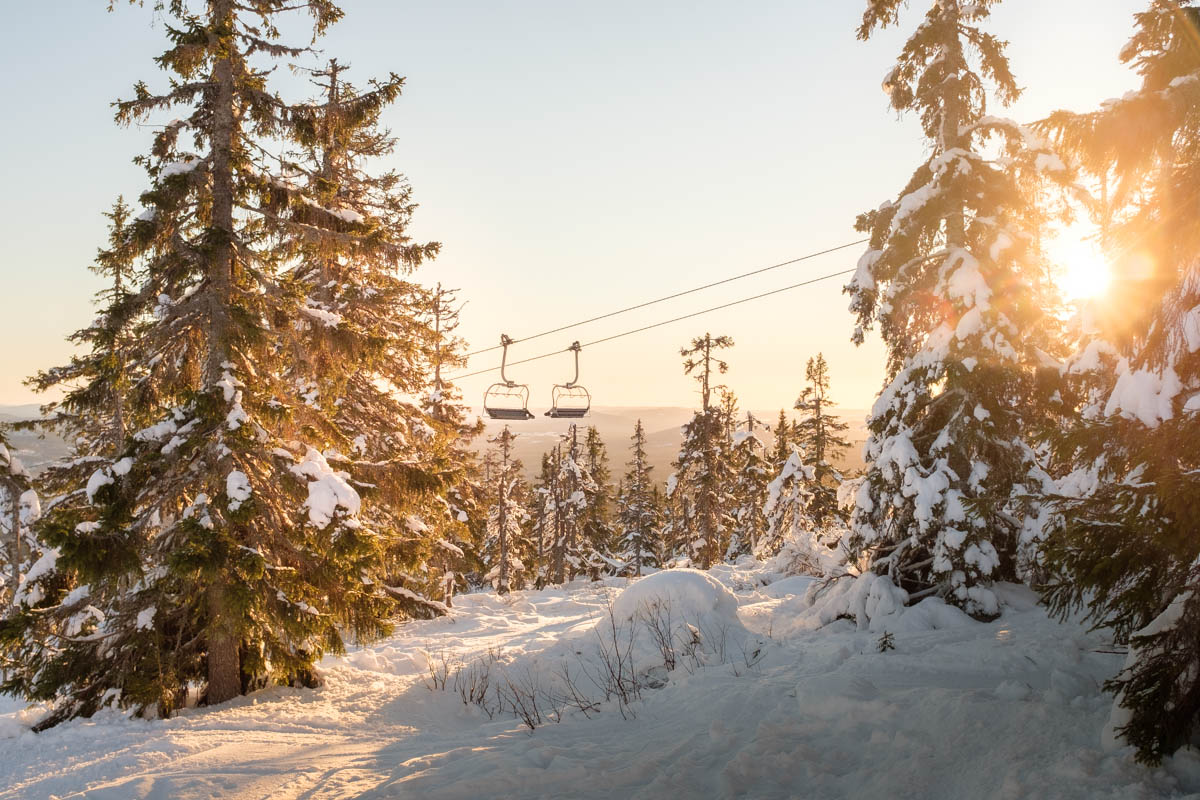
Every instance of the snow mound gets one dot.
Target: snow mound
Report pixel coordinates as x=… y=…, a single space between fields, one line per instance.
x=679 y=616
x=691 y=595
x=873 y=603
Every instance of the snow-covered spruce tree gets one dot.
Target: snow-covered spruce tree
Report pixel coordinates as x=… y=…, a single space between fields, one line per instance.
x=572 y=553
x=1127 y=547
x=701 y=487
x=639 y=517
x=597 y=523
x=820 y=438
x=565 y=493
x=94 y=412
x=226 y=549
x=787 y=509
x=540 y=523
x=366 y=351
x=102 y=399
x=505 y=545
x=663 y=549
x=804 y=520
x=783 y=436
x=750 y=462
x=458 y=518
x=954 y=281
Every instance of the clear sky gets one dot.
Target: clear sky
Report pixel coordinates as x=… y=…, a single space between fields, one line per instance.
x=572 y=157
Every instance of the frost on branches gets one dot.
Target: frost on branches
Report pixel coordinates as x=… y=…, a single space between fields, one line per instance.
x=954 y=282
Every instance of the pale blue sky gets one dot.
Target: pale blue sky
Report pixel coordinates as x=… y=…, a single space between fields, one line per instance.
x=572 y=157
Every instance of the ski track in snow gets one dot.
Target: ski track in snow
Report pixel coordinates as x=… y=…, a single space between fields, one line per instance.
x=1010 y=709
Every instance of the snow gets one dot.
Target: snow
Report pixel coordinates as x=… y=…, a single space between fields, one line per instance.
x=450 y=547
x=330 y=319
x=29 y=507
x=328 y=490
x=237 y=488
x=26 y=591
x=346 y=214
x=1144 y=395
x=967 y=711
x=100 y=478
x=180 y=167
x=690 y=594
x=145 y=618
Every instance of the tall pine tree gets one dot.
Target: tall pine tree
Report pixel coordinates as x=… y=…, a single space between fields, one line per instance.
x=750 y=462
x=597 y=524
x=504 y=546
x=700 y=489
x=1127 y=549
x=820 y=438
x=229 y=545
x=954 y=282
x=639 y=518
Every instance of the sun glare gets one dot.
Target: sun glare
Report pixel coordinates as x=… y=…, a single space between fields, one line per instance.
x=1082 y=271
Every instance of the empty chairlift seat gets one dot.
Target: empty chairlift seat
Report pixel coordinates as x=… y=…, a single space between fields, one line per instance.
x=570 y=400
x=507 y=400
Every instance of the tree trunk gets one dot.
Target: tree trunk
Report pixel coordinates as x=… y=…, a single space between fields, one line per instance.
x=224 y=661
x=951 y=121
x=220 y=270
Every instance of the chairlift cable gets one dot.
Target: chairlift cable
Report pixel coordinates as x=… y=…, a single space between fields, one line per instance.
x=721 y=282
x=644 y=328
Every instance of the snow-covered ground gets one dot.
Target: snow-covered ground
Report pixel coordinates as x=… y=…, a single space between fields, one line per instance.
x=1010 y=709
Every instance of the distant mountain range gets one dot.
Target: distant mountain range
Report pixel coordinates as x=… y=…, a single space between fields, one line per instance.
x=534 y=437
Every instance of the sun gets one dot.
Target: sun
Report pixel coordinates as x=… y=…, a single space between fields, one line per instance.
x=1080 y=268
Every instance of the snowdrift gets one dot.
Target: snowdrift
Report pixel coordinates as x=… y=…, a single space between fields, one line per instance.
x=959 y=710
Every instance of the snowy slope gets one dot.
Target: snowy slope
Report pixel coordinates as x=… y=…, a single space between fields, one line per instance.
x=1010 y=709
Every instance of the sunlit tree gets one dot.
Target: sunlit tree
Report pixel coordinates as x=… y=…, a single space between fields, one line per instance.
x=955 y=284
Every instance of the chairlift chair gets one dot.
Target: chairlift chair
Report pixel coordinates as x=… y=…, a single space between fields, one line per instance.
x=570 y=400
x=506 y=399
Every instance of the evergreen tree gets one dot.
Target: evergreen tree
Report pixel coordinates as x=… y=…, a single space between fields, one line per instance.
x=456 y=516
x=639 y=515
x=955 y=283
x=751 y=466
x=542 y=520
x=570 y=552
x=504 y=545
x=701 y=487
x=1127 y=547
x=228 y=544
x=789 y=512
x=93 y=414
x=783 y=436
x=663 y=548
x=597 y=524
x=366 y=339
x=105 y=393
x=820 y=440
